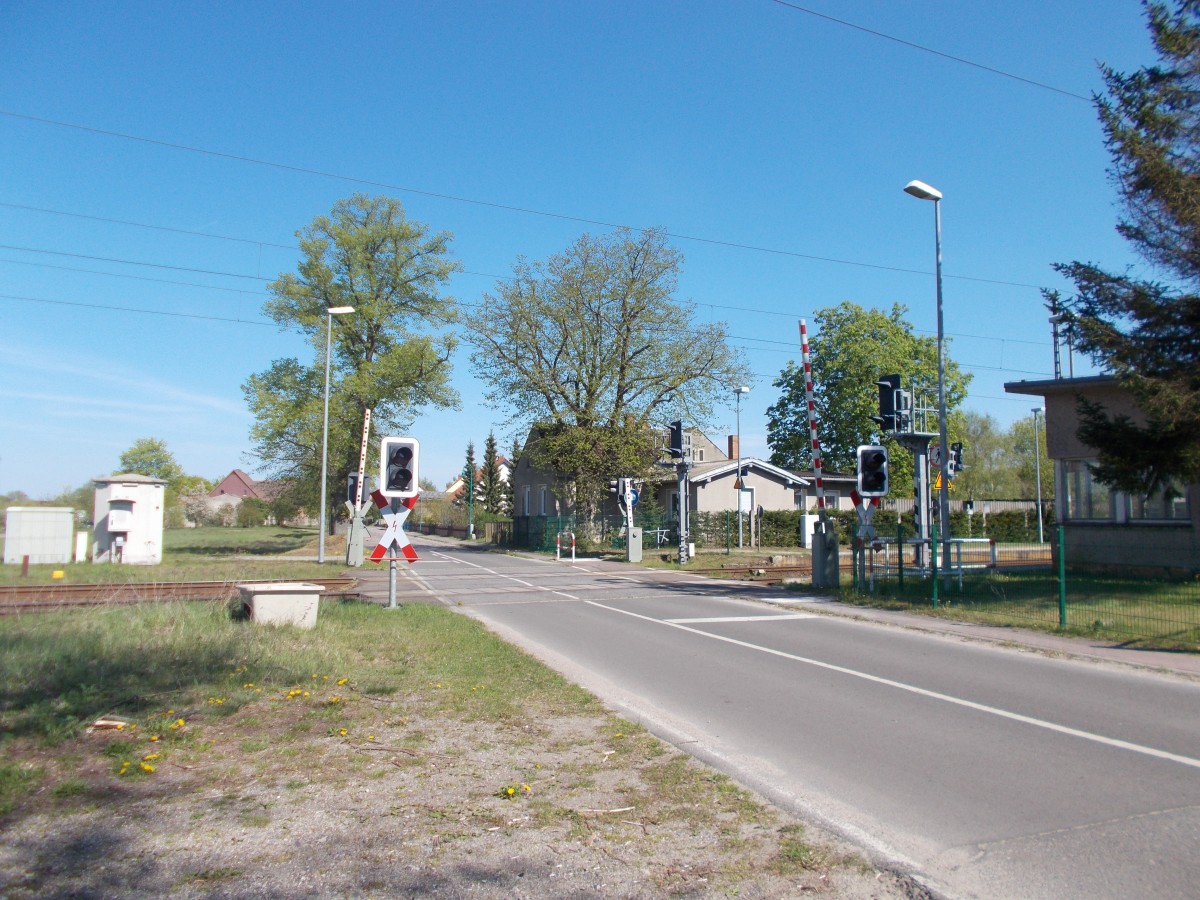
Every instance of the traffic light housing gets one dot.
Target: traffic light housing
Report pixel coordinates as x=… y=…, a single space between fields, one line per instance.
x=888 y=386
x=675 y=442
x=872 y=471
x=398 y=472
x=955 y=464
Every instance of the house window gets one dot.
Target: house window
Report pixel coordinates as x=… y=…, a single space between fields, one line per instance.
x=698 y=455
x=1168 y=504
x=1086 y=497
x=831 y=499
x=542 y=496
x=525 y=499
x=801 y=500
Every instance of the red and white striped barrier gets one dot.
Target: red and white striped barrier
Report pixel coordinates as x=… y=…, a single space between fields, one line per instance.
x=558 y=545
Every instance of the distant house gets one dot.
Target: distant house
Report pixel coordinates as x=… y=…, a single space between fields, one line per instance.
x=456 y=490
x=711 y=484
x=1104 y=528
x=238 y=486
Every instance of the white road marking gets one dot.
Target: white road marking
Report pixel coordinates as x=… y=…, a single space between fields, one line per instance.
x=740 y=619
x=924 y=692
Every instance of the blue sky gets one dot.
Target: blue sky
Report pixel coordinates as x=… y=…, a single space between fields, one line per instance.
x=746 y=123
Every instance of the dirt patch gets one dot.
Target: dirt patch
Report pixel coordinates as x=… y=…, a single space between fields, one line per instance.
x=320 y=794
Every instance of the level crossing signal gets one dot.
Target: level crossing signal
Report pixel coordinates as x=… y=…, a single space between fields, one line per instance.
x=872 y=471
x=398 y=467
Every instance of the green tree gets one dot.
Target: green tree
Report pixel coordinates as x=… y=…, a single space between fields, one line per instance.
x=391 y=355
x=149 y=456
x=1147 y=333
x=852 y=349
x=470 y=476
x=594 y=346
x=988 y=472
x=491 y=486
x=1025 y=458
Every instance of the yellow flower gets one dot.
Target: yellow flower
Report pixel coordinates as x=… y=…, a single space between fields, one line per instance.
x=248 y=684
x=510 y=790
x=370 y=737
x=150 y=757
x=153 y=737
x=527 y=789
x=343 y=732
x=146 y=767
x=342 y=680
x=307 y=694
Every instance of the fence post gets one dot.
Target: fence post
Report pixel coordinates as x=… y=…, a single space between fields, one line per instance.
x=728 y=535
x=933 y=561
x=899 y=558
x=1062 y=578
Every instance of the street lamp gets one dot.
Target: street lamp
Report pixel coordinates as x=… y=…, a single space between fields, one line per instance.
x=1037 y=463
x=330 y=312
x=923 y=191
x=737 y=481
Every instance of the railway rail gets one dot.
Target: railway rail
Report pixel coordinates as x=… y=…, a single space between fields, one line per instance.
x=35 y=597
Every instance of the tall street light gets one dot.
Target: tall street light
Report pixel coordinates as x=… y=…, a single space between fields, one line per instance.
x=329 y=314
x=923 y=191
x=737 y=481
x=1037 y=463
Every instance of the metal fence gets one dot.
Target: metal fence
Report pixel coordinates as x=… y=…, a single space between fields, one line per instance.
x=1011 y=582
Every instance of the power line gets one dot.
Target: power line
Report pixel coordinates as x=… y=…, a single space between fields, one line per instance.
x=492 y=204
x=131 y=262
x=469 y=304
x=296 y=330
x=922 y=48
x=206 y=234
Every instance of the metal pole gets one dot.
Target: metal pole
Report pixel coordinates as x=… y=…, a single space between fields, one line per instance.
x=944 y=494
x=325 y=435
x=737 y=481
x=392 y=585
x=1037 y=457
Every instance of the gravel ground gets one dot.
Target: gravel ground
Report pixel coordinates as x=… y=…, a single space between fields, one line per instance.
x=270 y=802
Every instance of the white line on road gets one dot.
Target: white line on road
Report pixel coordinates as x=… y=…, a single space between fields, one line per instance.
x=923 y=692
x=511 y=578
x=740 y=619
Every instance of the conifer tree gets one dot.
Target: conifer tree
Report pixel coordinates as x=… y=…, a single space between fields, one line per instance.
x=1147 y=332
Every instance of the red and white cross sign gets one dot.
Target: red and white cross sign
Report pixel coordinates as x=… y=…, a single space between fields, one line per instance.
x=394 y=535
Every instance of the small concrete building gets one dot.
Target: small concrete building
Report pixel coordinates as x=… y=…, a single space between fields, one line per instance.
x=1105 y=528
x=129 y=519
x=41 y=533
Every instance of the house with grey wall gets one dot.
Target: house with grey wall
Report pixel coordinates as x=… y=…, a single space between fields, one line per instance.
x=1105 y=528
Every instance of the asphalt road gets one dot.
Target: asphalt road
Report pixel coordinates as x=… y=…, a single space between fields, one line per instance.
x=981 y=770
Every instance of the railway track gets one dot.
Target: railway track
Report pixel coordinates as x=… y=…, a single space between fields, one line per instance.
x=763 y=574
x=34 y=597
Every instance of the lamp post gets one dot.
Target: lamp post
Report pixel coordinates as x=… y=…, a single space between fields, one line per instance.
x=1037 y=463
x=737 y=481
x=330 y=312
x=923 y=191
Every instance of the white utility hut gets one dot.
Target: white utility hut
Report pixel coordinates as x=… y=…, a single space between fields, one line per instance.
x=129 y=520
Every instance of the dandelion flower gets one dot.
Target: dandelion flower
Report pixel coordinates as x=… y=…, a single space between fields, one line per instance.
x=146 y=767
x=527 y=789
x=343 y=732
x=342 y=680
x=150 y=757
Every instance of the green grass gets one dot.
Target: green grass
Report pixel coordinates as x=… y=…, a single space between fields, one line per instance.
x=266 y=540
x=59 y=671
x=1150 y=613
x=205 y=554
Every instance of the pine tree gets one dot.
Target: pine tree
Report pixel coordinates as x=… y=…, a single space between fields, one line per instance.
x=1147 y=333
x=490 y=484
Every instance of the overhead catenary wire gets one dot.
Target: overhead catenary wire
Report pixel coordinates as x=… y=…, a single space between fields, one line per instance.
x=495 y=205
